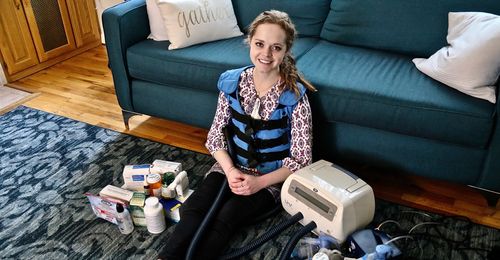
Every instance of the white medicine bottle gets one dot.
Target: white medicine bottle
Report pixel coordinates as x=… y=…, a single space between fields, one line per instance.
x=124 y=220
x=155 y=217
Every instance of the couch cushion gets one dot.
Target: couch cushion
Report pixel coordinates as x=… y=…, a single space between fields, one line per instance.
x=413 y=27
x=385 y=91
x=198 y=66
x=308 y=16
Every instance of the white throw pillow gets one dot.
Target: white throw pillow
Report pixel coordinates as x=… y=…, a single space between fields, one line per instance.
x=189 y=22
x=471 y=62
x=158 y=31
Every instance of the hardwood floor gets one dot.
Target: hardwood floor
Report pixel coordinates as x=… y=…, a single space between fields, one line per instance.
x=82 y=88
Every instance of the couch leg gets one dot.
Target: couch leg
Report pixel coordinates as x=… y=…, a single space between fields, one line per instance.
x=126 y=116
x=492 y=197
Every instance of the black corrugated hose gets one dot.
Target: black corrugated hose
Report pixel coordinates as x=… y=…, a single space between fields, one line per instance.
x=287 y=251
x=276 y=230
x=204 y=224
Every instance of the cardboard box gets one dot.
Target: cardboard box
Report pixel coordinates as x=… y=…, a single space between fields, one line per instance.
x=137 y=209
x=134 y=176
x=103 y=207
x=114 y=192
x=161 y=167
x=184 y=197
x=171 y=207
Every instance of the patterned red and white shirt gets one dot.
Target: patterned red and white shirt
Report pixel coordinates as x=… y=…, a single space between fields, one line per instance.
x=301 y=123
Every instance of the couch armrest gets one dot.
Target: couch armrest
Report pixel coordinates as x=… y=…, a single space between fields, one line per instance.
x=490 y=178
x=124 y=25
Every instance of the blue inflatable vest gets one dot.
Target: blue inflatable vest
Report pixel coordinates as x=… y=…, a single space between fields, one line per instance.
x=258 y=143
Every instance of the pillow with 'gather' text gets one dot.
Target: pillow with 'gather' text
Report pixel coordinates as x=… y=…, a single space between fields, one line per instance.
x=190 y=22
x=471 y=61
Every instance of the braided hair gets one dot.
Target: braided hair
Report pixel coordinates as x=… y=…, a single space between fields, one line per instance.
x=288 y=70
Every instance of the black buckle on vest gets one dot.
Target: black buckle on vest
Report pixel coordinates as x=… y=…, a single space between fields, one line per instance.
x=258 y=124
x=249 y=131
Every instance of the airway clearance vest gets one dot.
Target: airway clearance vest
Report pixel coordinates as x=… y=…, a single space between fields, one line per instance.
x=258 y=143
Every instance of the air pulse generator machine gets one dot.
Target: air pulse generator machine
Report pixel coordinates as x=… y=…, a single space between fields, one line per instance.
x=338 y=201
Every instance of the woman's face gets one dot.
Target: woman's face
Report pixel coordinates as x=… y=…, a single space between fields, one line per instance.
x=267 y=48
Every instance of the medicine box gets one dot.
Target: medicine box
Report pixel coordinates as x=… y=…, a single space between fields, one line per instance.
x=137 y=209
x=134 y=176
x=103 y=207
x=161 y=166
x=171 y=207
x=184 y=197
x=111 y=191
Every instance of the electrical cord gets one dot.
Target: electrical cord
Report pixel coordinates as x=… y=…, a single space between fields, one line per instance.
x=436 y=236
x=388 y=221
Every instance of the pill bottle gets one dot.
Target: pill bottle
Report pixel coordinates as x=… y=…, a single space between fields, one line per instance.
x=155 y=217
x=154 y=182
x=168 y=178
x=147 y=190
x=124 y=220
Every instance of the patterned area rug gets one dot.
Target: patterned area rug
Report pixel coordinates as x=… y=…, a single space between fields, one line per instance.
x=48 y=162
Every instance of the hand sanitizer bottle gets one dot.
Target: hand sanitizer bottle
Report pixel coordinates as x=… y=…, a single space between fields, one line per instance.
x=124 y=220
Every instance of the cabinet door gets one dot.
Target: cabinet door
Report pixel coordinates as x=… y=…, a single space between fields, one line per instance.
x=16 y=45
x=84 y=21
x=50 y=27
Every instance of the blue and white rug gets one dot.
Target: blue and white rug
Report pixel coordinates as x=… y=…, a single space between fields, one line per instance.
x=48 y=162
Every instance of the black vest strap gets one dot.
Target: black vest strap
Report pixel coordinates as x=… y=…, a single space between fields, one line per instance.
x=260 y=143
x=255 y=158
x=257 y=124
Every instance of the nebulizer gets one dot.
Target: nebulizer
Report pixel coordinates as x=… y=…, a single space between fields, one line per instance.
x=366 y=244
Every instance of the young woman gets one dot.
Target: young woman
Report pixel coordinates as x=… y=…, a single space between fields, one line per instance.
x=268 y=114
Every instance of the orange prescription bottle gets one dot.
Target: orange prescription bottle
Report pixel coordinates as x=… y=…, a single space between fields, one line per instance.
x=154 y=181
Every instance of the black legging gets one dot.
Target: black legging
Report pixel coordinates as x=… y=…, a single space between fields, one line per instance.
x=235 y=211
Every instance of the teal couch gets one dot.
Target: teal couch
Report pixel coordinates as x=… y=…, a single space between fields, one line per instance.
x=373 y=107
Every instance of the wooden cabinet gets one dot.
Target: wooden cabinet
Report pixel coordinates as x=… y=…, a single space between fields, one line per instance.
x=84 y=21
x=18 y=50
x=35 y=34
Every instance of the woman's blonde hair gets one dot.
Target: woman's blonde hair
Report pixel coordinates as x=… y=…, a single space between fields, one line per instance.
x=288 y=70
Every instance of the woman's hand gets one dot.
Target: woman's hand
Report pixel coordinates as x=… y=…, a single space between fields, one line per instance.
x=243 y=184
x=234 y=178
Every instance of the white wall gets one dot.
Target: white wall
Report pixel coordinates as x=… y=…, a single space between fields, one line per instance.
x=3 y=78
x=102 y=5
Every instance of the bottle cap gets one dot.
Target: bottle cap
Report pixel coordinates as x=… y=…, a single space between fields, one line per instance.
x=152 y=201
x=320 y=256
x=154 y=178
x=168 y=178
x=119 y=208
